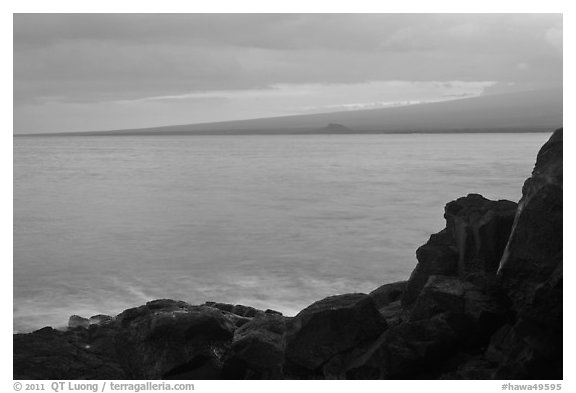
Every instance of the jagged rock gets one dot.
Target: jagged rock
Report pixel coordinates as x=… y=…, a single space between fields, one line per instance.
x=246 y=311
x=473 y=369
x=388 y=301
x=449 y=320
x=410 y=350
x=173 y=340
x=221 y=306
x=258 y=349
x=100 y=319
x=238 y=309
x=437 y=257
x=393 y=313
x=533 y=346
x=440 y=294
x=167 y=305
x=480 y=228
x=535 y=246
x=473 y=241
x=331 y=326
x=52 y=354
x=524 y=351
x=388 y=293
x=531 y=272
x=498 y=343
x=77 y=321
x=482 y=312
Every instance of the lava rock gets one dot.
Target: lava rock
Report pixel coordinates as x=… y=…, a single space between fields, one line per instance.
x=173 y=340
x=331 y=326
x=388 y=293
x=535 y=247
x=411 y=350
x=480 y=228
x=238 y=309
x=258 y=349
x=52 y=354
x=473 y=241
x=77 y=321
x=437 y=257
x=483 y=312
x=531 y=273
x=100 y=319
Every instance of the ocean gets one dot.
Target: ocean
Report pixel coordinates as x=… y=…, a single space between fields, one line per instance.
x=105 y=223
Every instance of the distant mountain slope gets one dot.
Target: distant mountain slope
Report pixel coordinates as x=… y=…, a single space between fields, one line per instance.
x=528 y=111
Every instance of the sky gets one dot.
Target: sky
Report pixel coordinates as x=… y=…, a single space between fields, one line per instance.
x=86 y=72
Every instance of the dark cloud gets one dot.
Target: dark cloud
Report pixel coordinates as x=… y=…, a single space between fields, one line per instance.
x=267 y=31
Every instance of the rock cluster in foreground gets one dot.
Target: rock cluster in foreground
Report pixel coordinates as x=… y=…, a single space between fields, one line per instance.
x=484 y=302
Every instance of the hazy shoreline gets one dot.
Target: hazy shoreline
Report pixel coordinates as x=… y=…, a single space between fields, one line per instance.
x=515 y=130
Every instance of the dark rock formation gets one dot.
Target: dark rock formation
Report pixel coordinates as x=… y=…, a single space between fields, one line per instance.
x=484 y=302
x=409 y=350
x=388 y=293
x=258 y=349
x=52 y=354
x=175 y=339
x=388 y=301
x=534 y=249
x=480 y=229
x=238 y=309
x=329 y=327
x=437 y=257
x=473 y=241
x=459 y=319
x=478 y=309
x=78 y=321
x=531 y=272
x=100 y=319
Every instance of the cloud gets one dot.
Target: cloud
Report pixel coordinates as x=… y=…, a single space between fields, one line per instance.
x=264 y=31
x=104 y=58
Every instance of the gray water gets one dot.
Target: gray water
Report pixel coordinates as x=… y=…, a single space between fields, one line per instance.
x=106 y=223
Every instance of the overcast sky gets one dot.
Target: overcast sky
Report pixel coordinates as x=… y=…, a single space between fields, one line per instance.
x=80 y=72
